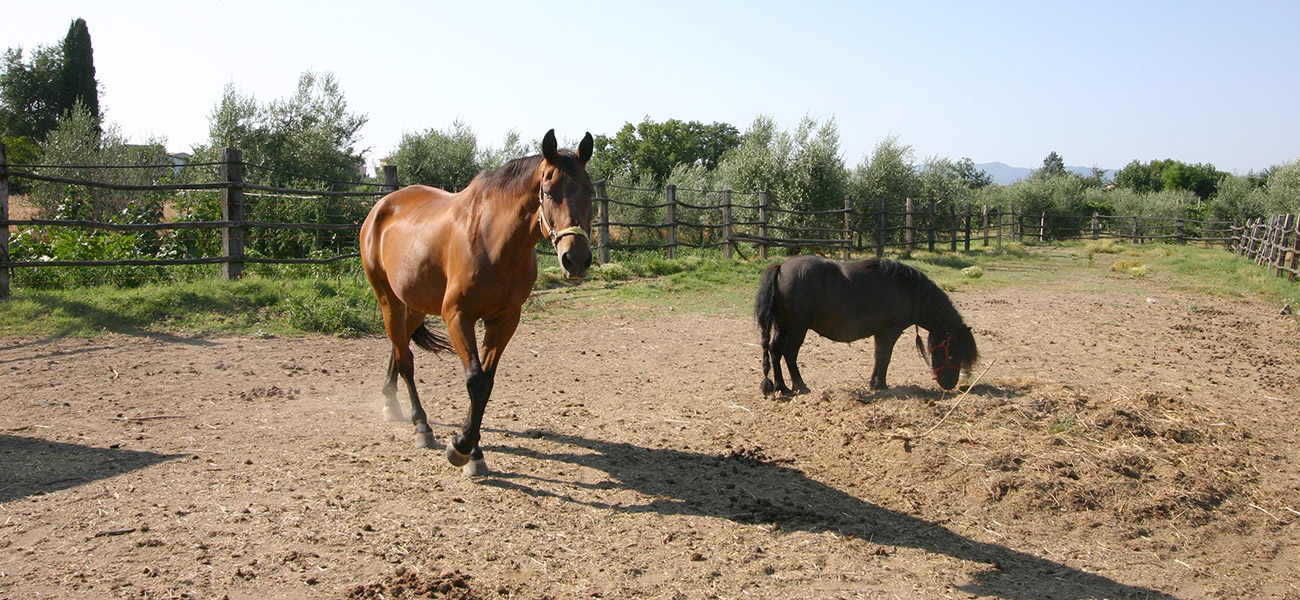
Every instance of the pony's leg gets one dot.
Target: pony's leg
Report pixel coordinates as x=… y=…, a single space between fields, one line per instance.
x=884 y=352
x=793 y=342
x=774 y=352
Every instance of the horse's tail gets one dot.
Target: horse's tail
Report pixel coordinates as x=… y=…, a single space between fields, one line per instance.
x=763 y=314
x=433 y=342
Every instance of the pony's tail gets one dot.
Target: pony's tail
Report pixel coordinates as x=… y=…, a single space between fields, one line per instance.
x=433 y=342
x=763 y=314
x=920 y=347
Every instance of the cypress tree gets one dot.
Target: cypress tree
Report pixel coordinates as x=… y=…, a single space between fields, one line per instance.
x=77 y=78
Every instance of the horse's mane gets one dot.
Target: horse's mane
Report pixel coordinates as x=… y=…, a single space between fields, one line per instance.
x=519 y=171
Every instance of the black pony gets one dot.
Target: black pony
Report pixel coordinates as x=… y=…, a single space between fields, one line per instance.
x=851 y=301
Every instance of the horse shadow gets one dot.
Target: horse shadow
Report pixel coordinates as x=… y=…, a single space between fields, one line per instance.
x=31 y=466
x=754 y=490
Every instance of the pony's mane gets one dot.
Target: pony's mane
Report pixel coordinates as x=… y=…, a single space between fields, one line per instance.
x=929 y=293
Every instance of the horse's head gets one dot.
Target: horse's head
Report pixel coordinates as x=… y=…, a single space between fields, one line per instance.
x=951 y=352
x=565 y=195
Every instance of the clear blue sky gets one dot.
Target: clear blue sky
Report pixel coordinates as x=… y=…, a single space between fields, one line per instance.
x=1100 y=83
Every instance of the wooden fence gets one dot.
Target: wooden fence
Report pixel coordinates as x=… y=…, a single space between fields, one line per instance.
x=662 y=220
x=1273 y=242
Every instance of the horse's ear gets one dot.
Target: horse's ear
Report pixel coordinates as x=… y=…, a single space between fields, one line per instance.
x=585 y=148
x=550 y=148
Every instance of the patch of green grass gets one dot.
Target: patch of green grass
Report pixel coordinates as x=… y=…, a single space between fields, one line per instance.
x=1062 y=423
x=250 y=305
x=341 y=303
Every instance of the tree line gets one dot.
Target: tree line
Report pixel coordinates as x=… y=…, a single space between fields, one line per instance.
x=49 y=113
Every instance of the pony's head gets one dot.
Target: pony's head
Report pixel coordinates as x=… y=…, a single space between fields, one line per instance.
x=950 y=352
x=565 y=195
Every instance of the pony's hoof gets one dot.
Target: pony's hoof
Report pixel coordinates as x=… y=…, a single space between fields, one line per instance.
x=425 y=440
x=393 y=415
x=476 y=468
x=455 y=457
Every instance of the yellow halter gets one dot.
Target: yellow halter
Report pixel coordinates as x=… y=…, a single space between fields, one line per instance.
x=556 y=235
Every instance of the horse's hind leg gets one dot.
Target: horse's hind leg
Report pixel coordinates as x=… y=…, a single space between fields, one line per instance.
x=392 y=410
x=398 y=324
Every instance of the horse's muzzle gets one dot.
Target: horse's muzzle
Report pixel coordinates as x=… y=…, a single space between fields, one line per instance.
x=575 y=259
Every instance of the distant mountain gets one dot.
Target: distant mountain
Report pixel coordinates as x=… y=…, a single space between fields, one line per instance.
x=1004 y=174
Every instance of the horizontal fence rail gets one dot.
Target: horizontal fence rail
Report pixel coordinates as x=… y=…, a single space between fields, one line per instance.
x=628 y=219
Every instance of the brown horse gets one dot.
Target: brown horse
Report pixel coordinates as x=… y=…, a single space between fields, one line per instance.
x=470 y=257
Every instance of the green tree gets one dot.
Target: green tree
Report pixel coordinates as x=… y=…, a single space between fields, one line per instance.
x=1282 y=192
x=889 y=173
x=79 y=139
x=446 y=159
x=1139 y=177
x=1201 y=179
x=35 y=94
x=1053 y=166
x=1238 y=198
x=973 y=177
x=941 y=180
x=308 y=136
x=307 y=141
x=77 y=84
x=28 y=105
x=655 y=149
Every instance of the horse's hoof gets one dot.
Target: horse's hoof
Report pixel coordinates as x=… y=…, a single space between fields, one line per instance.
x=476 y=468
x=425 y=440
x=393 y=415
x=455 y=457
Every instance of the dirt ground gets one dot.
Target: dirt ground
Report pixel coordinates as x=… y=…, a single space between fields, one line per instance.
x=1125 y=441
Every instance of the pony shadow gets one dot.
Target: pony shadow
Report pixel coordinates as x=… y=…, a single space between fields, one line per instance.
x=754 y=490
x=32 y=467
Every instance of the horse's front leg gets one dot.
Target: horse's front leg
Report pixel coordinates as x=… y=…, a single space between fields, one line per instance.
x=480 y=377
x=884 y=352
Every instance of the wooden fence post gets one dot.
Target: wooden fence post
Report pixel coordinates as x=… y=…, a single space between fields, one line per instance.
x=848 y=227
x=1288 y=223
x=930 y=229
x=1017 y=225
x=671 y=190
x=232 y=210
x=1096 y=226
x=1295 y=247
x=968 y=219
x=999 y=211
x=952 y=227
x=602 y=223
x=1180 y=235
x=390 y=178
x=1042 y=227
x=4 y=229
x=762 y=225
x=984 y=212
x=880 y=230
x=1136 y=239
x=726 y=223
x=908 y=231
